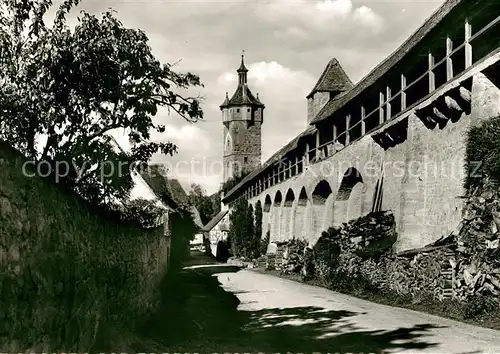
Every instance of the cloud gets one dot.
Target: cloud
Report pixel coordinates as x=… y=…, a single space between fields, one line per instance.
x=367 y=17
x=308 y=19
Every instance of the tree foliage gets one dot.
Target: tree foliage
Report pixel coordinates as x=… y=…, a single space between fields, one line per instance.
x=483 y=153
x=232 y=182
x=183 y=229
x=146 y=212
x=258 y=221
x=202 y=202
x=245 y=230
x=63 y=90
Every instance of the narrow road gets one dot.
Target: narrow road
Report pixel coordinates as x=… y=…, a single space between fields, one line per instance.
x=214 y=308
x=316 y=319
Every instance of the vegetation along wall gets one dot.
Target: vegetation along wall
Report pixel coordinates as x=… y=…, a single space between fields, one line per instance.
x=64 y=269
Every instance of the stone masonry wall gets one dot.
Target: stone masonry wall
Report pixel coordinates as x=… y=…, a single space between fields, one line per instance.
x=64 y=270
x=422 y=177
x=246 y=143
x=316 y=103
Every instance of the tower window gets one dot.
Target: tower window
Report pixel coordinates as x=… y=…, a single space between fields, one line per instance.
x=245 y=159
x=237 y=110
x=248 y=110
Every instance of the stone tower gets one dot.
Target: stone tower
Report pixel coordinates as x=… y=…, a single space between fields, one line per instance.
x=242 y=117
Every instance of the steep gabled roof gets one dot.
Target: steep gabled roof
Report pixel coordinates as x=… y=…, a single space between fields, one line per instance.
x=215 y=220
x=333 y=79
x=172 y=192
x=196 y=216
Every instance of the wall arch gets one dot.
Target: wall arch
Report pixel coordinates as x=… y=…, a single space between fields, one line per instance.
x=350 y=197
x=228 y=144
x=320 y=194
x=276 y=216
x=299 y=214
x=266 y=215
x=286 y=216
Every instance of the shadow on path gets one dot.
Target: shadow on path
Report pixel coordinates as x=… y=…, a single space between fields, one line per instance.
x=199 y=316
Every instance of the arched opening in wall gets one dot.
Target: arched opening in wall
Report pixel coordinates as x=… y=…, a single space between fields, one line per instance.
x=299 y=216
x=351 y=177
x=289 y=198
x=278 y=199
x=286 y=231
x=267 y=204
x=321 y=192
x=319 y=196
x=302 y=197
x=275 y=217
x=228 y=145
x=349 y=198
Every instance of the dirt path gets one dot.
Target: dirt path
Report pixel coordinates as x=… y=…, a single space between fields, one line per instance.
x=254 y=312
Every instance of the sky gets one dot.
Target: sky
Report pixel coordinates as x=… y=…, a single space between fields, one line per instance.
x=287 y=46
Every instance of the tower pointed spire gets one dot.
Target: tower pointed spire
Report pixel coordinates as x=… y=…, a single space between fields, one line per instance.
x=242 y=67
x=242 y=71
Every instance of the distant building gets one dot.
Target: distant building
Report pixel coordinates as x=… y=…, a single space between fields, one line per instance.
x=217 y=230
x=242 y=117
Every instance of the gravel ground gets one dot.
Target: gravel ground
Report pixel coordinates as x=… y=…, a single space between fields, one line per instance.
x=296 y=317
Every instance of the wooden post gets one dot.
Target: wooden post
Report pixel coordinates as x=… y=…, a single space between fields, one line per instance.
x=317 y=145
x=307 y=154
x=296 y=165
x=290 y=169
x=388 y=105
x=381 y=108
x=403 y=93
x=363 y=124
x=347 y=127
x=449 y=62
x=468 y=46
x=432 y=77
x=334 y=133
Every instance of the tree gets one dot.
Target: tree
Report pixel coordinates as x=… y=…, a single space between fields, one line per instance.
x=258 y=229
x=146 y=212
x=233 y=182
x=241 y=230
x=75 y=86
x=216 y=204
x=202 y=202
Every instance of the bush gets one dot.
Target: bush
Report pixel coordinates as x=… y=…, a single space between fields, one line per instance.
x=478 y=306
x=327 y=252
x=483 y=153
x=294 y=260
